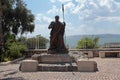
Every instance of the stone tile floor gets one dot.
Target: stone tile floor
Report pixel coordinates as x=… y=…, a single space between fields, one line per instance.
x=108 y=69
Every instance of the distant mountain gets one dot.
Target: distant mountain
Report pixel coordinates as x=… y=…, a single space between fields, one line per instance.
x=71 y=41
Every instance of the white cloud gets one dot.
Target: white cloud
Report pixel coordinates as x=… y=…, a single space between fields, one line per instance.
x=91 y=9
x=91 y=30
x=64 y=1
x=54 y=10
x=40 y=29
x=69 y=7
x=111 y=19
x=82 y=29
x=43 y=18
x=94 y=5
x=88 y=10
x=52 y=1
x=61 y=1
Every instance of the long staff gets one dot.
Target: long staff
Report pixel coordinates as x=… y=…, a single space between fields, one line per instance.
x=63 y=20
x=63 y=11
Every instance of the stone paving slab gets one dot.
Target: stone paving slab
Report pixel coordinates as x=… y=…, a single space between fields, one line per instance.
x=109 y=69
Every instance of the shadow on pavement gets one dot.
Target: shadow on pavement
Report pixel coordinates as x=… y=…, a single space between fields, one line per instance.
x=6 y=70
x=13 y=78
x=11 y=73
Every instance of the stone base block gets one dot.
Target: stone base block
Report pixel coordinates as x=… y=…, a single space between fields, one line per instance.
x=29 y=65
x=86 y=66
x=52 y=58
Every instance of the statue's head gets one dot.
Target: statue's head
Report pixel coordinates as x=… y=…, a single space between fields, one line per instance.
x=56 y=18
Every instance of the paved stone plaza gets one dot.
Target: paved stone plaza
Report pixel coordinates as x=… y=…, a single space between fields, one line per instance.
x=108 y=69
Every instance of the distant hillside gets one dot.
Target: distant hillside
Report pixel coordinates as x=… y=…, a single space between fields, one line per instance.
x=71 y=41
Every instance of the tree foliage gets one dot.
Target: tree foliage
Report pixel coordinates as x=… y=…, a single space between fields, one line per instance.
x=88 y=43
x=16 y=17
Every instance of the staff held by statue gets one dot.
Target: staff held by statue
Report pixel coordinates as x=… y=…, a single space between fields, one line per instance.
x=63 y=11
x=63 y=19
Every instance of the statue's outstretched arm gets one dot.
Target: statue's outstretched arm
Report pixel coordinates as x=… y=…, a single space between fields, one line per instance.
x=51 y=25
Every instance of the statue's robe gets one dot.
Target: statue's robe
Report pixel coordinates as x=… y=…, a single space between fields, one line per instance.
x=57 y=37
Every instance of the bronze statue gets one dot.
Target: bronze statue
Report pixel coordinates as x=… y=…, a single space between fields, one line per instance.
x=56 y=37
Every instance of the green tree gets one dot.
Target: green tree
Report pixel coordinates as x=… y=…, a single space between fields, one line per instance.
x=38 y=41
x=31 y=42
x=88 y=43
x=16 y=17
x=42 y=41
x=22 y=40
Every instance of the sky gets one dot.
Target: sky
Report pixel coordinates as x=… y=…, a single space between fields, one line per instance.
x=81 y=16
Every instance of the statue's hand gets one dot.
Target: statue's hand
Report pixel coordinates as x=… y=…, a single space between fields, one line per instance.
x=51 y=24
x=49 y=27
x=64 y=23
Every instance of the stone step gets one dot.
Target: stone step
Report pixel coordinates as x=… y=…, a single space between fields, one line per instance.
x=58 y=67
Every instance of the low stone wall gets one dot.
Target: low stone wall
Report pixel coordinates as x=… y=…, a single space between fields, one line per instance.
x=89 y=54
x=102 y=54
x=118 y=55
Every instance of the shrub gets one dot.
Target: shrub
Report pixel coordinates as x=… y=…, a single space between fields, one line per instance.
x=15 y=50
x=12 y=48
x=6 y=59
x=88 y=43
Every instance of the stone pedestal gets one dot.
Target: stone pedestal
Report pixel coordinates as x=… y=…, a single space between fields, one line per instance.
x=29 y=66
x=55 y=62
x=52 y=58
x=86 y=66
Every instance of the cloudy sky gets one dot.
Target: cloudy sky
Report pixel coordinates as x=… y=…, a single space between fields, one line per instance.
x=81 y=16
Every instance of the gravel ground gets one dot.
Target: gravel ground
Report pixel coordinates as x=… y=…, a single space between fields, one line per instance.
x=108 y=69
